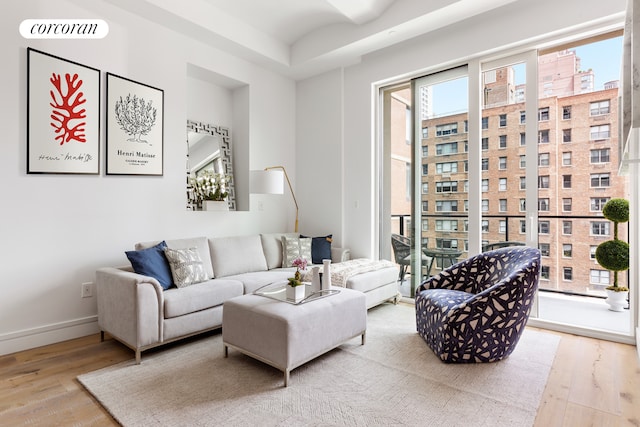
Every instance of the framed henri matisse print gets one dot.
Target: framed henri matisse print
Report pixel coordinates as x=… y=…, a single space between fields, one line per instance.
x=63 y=115
x=135 y=122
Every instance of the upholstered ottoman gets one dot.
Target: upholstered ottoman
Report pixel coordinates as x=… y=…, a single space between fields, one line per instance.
x=285 y=335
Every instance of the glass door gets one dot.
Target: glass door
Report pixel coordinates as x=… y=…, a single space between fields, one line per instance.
x=440 y=205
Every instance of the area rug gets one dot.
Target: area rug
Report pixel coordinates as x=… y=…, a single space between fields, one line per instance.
x=392 y=380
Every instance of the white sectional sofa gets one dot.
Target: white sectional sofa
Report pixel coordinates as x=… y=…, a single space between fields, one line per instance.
x=137 y=310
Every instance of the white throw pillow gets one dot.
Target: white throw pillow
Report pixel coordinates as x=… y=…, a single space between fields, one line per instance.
x=293 y=248
x=186 y=266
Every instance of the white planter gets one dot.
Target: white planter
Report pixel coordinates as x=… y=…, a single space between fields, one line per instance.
x=617 y=300
x=215 y=205
x=295 y=293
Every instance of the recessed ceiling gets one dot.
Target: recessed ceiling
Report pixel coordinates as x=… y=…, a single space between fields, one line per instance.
x=304 y=37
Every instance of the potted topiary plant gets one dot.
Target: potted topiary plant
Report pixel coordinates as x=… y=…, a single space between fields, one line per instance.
x=614 y=254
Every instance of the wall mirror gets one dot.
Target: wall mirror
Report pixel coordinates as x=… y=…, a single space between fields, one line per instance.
x=208 y=150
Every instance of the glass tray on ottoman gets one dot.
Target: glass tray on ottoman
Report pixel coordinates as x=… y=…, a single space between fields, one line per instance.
x=277 y=291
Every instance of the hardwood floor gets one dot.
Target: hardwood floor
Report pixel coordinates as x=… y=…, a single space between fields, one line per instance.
x=592 y=383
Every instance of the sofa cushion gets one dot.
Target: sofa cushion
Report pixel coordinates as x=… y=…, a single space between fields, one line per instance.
x=186 y=266
x=236 y=255
x=293 y=248
x=257 y=279
x=152 y=262
x=272 y=247
x=199 y=243
x=178 y=302
x=320 y=248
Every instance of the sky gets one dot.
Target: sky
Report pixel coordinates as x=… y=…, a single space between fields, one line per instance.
x=603 y=57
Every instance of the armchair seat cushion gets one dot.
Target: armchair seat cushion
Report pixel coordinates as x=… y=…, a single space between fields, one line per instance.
x=181 y=301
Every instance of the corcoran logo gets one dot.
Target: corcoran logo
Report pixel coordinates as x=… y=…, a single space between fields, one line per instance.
x=63 y=28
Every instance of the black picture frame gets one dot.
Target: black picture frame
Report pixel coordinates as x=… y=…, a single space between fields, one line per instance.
x=63 y=115
x=135 y=128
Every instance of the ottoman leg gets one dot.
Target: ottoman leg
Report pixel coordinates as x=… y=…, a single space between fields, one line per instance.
x=364 y=337
x=286 y=377
x=226 y=351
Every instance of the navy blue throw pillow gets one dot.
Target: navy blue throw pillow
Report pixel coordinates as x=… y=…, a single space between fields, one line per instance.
x=320 y=248
x=152 y=262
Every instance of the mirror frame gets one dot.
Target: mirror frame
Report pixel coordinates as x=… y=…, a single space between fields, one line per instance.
x=225 y=153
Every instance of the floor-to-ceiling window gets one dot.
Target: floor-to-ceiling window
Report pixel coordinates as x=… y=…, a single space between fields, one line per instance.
x=518 y=150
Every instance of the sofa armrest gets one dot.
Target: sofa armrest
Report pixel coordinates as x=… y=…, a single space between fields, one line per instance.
x=130 y=306
x=340 y=254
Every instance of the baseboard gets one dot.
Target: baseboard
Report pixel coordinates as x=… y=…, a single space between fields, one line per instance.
x=49 y=334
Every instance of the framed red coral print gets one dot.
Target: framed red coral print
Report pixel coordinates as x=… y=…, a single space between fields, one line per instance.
x=63 y=115
x=135 y=115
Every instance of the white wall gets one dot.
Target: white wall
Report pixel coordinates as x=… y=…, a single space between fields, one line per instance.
x=493 y=31
x=57 y=229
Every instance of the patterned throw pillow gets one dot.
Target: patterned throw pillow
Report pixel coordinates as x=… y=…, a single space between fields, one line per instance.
x=293 y=248
x=186 y=265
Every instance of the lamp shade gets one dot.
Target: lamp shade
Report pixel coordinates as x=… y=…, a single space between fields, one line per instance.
x=267 y=182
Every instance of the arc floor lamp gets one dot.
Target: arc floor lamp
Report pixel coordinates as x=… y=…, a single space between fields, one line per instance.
x=269 y=181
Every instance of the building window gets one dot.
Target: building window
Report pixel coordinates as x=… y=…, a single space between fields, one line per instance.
x=566 y=181
x=545 y=249
x=523 y=161
x=567 y=250
x=567 y=228
x=600 y=132
x=466 y=186
x=523 y=117
x=425 y=169
x=567 y=273
x=425 y=132
x=523 y=205
x=592 y=251
x=566 y=112
x=447 y=187
x=543 y=205
x=523 y=183
x=599 y=228
x=503 y=141
x=566 y=135
x=485 y=144
x=599 y=180
x=543 y=136
x=599 y=277
x=485 y=123
x=599 y=108
x=543 y=159
x=601 y=155
x=543 y=181
x=502 y=163
x=446 y=244
x=543 y=114
x=446 y=206
x=447 y=167
x=502 y=184
x=597 y=203
x=425 y=188
x=446 y=148
x=485 y=205
x=502 y=205
x=485 y=164
x=544 y=227
x=544 y=272
x=566 y=158
x=523 y=139
x=446 y=225
x=523 y=226
x=567 y=204
x=485 y=185
x=425 y=151
x=502 y=227
x=485 y=225
x=448 y=129
x=425 y=206
x=503 y=120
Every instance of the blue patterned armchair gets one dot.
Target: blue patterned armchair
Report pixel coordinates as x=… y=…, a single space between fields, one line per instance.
x=476 y=310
